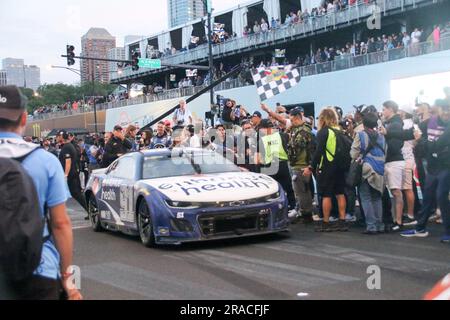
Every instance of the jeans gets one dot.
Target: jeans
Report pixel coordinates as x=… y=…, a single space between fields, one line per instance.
x=437 y=185
x=350 y=195
x=373 y=207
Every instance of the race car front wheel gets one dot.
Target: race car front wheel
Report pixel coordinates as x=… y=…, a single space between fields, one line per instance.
x=145 y=225
x=94 y=215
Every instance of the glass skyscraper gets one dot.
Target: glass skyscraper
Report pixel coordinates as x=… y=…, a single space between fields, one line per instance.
x=183 y=11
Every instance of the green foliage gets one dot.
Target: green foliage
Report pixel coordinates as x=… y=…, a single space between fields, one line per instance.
x=60 y=93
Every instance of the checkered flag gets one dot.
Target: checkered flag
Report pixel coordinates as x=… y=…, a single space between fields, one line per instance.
x=274 y=80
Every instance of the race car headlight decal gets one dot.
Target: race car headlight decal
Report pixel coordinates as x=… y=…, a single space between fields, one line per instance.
x=182 y=204
x=273 y=197
x=181 y=225
x=162 y=231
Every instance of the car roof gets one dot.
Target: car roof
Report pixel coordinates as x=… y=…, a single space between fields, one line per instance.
x=167 y=152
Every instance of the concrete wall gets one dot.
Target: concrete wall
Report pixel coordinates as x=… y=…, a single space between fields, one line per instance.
x=84 y=120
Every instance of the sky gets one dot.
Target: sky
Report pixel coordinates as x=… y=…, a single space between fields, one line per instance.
x=39 y=30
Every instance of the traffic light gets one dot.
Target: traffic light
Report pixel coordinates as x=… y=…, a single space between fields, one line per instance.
x=135 y=61
x=70 y=55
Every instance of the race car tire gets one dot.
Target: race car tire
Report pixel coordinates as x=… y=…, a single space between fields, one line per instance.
x=145 y=225
x=94 y=215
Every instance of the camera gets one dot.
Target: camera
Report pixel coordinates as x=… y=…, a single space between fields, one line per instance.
x=345 y=124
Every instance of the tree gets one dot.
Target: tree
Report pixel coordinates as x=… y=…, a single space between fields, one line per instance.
x=60 y=93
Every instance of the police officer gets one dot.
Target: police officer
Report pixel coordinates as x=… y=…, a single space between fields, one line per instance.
x=115 y=147
x=300 y=151
x=273 y=158
x=68 y=157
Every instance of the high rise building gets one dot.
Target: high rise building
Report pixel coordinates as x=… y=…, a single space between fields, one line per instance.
x=116 y=54
x=33 y=77
x=21 y=75
x=183 y=11
x=3 y=80
x=96 y=43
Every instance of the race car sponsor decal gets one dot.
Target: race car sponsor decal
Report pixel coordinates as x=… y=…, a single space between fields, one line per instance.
x=108 y=195
x=115 y=216
x=105 y=214
x=218 y=187
x=126 y=204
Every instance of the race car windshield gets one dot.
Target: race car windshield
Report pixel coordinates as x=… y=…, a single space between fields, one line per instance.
x=184 y=165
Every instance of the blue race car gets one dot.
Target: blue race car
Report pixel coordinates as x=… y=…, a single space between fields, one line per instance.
x=182 y=195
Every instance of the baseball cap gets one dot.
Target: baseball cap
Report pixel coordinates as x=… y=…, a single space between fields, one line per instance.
x=167 y=123
x=407 y=109
x=296 y=111
x=368 y=109
x=257 y=114
x=12 y=103
x=266 y=123
x=118 y=128
x=64 y=134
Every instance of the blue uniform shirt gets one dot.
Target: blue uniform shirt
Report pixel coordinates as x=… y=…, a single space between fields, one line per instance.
x=48 y=177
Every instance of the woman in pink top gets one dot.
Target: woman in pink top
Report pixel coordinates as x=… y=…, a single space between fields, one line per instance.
x=436 y=36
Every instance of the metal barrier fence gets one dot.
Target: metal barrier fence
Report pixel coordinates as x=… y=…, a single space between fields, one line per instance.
x=357 y=12
x=343 y=62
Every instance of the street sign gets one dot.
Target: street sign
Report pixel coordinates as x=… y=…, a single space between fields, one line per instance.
x=150 y=63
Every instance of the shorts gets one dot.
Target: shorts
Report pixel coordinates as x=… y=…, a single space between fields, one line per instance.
x=330 y=182
x=394 y=174
x=408 y=179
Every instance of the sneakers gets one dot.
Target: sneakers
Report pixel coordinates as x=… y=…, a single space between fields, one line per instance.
x=350 y=218
x=292 y=214
x=415 y=234
x=396 y=227
x=445 y=239
x=323 y=227
x=333 y=219
x=317 y=218
x=408 y=221
x=342 y=226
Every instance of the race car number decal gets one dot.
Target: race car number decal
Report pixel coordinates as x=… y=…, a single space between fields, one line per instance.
x=126 y=204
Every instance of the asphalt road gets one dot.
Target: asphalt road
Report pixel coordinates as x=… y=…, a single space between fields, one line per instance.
x=299 y=265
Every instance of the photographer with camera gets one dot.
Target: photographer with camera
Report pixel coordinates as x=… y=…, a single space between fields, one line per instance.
x=182 y=116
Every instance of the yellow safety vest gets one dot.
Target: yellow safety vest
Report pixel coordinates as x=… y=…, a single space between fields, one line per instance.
x=330 y=151
x=273 y=146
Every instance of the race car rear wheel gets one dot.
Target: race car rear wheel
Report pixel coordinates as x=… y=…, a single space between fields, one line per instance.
x=145 y=225
x=94 y=215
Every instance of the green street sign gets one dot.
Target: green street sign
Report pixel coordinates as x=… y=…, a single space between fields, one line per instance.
x=150 y=63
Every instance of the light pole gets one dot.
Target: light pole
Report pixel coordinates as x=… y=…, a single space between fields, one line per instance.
x=207 y=4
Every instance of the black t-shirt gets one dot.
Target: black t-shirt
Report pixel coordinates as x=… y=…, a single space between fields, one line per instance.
x=226 y=114
x=68 y=152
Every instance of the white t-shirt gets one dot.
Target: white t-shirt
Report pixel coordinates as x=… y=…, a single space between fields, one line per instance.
x=195 y=142
x=415 y=36
x=182 y=116
x=408 y=147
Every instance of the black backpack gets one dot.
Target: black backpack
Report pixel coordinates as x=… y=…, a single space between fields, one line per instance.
x=21 y=223
x=342 y=158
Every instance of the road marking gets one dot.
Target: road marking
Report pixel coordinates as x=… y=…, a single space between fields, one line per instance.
x=154 y=285
x=290 y=276
x=351 y=255
x=80 y=227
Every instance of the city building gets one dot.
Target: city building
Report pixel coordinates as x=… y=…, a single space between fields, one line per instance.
x=32 y=77
x=21 y=75
x=116 y=54
x=183 y=11
x=96 y=43
x=3 y=80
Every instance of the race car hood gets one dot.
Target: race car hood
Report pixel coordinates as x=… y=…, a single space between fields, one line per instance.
x=234 y=186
